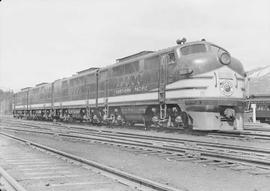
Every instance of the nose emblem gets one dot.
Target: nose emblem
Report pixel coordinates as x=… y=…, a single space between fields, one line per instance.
x=226 y=88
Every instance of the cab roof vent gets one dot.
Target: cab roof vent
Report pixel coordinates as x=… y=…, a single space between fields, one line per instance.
x=134 y=56
x=41 y=84
x=24 y=89
x=88 y=70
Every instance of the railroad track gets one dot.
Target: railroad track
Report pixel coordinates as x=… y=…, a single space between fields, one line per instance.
x=245 y=135
x=26 y=162
x=257 y=127
x=119 y=135
x=250 y=159
x=7 y=182
x=248 y=134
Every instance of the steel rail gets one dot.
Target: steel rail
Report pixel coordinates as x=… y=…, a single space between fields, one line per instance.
x=129 y=177
x=170 y=140
x=203 y=153
x=243 y=135
x=221 y=133
x=118 y=139
x=9 y=182
x=182 y=141
x=183 y=149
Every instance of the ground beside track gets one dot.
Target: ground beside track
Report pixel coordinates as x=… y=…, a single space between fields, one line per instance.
x=192 y=176
x=39 y=171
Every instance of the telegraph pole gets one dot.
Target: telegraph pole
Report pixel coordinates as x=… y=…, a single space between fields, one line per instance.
x=97 y=76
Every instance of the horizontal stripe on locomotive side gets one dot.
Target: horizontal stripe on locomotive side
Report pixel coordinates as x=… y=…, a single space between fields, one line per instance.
x=181 y=89
x=172 y=96
x=186 y=100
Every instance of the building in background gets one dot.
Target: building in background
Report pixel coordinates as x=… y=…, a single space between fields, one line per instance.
x=258 y=88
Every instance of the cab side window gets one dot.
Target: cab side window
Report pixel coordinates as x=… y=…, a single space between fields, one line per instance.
x=171 y=57
x=171 y=67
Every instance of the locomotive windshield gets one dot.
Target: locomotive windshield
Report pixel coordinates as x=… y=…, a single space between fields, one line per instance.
x=192 y=49
x=217 y=49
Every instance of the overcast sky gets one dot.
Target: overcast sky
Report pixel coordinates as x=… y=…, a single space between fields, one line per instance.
x=44 y=40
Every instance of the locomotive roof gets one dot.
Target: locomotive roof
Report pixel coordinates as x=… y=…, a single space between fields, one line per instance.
x=88 y=70
x=41 y=84
x=132 y=58
x=25 y=89
x=158 y=52
x=124 y=60
x=134 y=55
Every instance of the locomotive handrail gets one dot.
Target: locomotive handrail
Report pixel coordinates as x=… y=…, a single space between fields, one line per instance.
x=236 y=81
x=215 y=74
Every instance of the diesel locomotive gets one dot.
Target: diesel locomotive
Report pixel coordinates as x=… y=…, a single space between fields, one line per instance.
x=195 y=85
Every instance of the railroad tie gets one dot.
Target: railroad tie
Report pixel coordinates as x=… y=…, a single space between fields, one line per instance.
x=185 y=159
x=260 y=172
x=241 y=167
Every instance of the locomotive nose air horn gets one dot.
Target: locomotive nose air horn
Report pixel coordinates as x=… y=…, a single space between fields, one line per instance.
x=181 y=41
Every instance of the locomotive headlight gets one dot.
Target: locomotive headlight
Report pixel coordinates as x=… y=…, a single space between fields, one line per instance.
x=225 y=58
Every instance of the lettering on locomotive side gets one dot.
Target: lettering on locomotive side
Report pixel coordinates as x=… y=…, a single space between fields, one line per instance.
x=123 y=91
x=130 y=84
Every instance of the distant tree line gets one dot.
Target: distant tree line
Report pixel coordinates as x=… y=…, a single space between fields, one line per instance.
x=6 y=99
x=5 y=94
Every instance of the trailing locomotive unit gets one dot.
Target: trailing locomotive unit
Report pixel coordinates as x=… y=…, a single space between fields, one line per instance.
x=195 y=85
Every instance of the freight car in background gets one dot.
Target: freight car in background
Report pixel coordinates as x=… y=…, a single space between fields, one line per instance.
x=258 y=94
x=261 y=104
x=194 y=85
